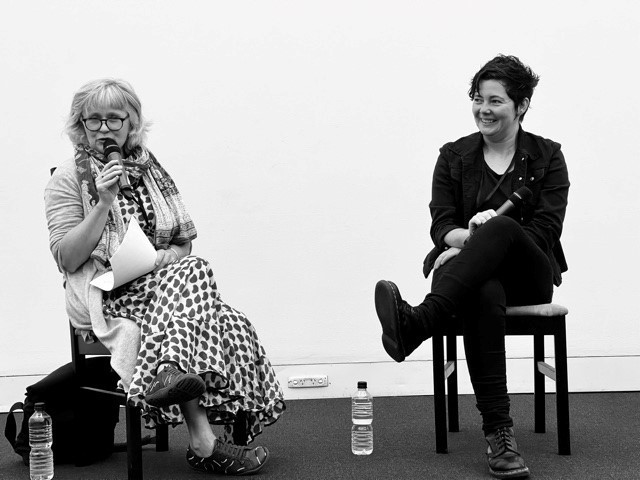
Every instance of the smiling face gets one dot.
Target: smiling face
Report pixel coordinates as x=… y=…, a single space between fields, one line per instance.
x=96 y=138
x=496 y=115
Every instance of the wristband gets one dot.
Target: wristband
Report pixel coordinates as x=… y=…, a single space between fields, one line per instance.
x=174 y=251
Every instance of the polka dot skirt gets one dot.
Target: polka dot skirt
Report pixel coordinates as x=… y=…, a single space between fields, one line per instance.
x=182 y=319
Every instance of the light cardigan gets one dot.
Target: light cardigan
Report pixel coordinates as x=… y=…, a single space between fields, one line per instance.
x=64 y=210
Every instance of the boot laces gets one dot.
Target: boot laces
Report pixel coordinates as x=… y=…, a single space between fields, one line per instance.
x=407 y=309
x=505 y=442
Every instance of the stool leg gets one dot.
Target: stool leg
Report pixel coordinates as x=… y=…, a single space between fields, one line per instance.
x=562 y=390
x=240 y=435
x=439 y=402
x=134 y=443
x=162 y=438
x=452 y=383
x=538 y=384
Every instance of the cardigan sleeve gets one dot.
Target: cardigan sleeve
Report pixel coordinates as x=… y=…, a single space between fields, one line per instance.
x=63 y=206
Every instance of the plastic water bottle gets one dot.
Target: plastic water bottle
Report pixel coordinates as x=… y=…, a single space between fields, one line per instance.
x=362 y=418
x=40 y=440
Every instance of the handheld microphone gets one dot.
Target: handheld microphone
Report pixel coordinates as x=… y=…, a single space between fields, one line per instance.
x=516 y=199
x=523 y=194
x=112 y=152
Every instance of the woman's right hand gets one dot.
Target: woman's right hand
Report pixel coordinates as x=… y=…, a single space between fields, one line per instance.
x=107 y=182
x=480 y=218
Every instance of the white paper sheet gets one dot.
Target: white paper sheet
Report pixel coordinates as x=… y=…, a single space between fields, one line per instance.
x=135 y=256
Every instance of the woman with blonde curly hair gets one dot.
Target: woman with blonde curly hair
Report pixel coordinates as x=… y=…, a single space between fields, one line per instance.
x=182 y=353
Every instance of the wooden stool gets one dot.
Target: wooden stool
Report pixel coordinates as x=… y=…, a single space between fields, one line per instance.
x=79 y=351
x=535 y=320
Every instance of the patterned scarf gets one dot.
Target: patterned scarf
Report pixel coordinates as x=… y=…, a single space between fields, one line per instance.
x=173 y=224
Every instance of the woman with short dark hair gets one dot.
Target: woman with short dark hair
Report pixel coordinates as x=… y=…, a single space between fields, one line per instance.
x=483 y=262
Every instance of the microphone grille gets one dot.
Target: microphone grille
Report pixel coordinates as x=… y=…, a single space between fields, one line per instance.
x=520 y=196
x=525 y=194
x=110 y=146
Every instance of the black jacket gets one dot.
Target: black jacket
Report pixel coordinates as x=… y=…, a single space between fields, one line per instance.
x=539 y=165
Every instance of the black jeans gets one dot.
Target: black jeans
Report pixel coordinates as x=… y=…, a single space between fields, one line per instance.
x=499 y=266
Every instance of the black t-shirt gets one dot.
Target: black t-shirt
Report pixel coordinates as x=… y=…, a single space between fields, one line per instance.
x=488 y=196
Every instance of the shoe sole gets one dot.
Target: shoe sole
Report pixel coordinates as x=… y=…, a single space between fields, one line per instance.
x=239 y=474
x=387 y=296
x=187 y=388
x=517 y=473
x=259 y=467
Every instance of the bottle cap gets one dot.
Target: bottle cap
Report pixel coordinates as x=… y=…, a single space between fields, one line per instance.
x=39 y=405
x=362 y=384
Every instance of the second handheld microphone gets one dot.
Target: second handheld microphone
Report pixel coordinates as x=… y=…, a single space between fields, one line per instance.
x=522 y=195
x=516 y=199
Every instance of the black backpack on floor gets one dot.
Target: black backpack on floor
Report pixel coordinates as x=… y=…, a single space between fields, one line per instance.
x=83 y=430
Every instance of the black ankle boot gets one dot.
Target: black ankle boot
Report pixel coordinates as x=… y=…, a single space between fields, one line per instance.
x=502 y=455
x=403 y=326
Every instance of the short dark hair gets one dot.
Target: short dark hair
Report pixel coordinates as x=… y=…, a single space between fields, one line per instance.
x=517 y=78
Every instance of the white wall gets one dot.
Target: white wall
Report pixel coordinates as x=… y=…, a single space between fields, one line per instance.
x=303 y=137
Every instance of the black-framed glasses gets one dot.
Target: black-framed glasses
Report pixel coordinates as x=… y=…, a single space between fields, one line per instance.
x=95 y=124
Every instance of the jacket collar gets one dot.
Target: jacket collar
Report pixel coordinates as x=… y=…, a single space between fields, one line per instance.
x=468 y=147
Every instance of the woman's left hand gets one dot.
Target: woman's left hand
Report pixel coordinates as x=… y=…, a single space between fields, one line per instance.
x=445 y=256
x=164 y=258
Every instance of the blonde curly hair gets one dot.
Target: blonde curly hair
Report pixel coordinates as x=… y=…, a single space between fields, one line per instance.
x=109 y=93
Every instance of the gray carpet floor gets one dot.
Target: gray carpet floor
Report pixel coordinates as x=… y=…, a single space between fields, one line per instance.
x=312 y=441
